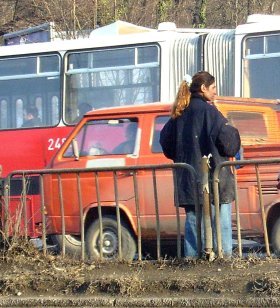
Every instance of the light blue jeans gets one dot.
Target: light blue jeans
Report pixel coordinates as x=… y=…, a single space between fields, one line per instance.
x=190 y=240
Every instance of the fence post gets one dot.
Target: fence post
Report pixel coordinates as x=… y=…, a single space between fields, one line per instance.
x=207 y=209
x=266 y=241
x=7 y=186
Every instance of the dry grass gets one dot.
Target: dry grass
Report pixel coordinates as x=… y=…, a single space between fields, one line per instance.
x=268 y=284
x=25 y=271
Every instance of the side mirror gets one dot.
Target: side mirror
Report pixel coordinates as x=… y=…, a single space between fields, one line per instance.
x=75 y=149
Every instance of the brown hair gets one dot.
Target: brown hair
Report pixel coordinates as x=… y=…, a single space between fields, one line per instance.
x=184 y=93
x=33 y=110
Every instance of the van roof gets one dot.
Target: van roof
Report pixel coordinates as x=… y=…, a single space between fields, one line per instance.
x=131 y=109
x=161 y=107
x=249 y=101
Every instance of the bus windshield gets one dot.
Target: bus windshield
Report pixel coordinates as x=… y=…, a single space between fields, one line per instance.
x=111 y=77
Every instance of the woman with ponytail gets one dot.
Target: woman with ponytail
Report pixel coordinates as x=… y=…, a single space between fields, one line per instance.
x=195 y=129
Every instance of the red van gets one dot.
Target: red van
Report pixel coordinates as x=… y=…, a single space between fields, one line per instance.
x=129 y=136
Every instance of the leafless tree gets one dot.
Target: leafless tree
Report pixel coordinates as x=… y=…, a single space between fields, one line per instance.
x=199 y=14
x=69 y=16
x=74 y=16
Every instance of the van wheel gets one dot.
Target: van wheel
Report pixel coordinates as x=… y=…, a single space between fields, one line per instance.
x=110 y=240
x=72 y=244
x=275 y=237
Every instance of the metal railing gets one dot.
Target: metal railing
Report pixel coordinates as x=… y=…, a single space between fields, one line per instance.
x=133 y=171
x=256 y=163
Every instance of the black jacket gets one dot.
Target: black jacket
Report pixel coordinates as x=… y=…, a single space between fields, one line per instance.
x=200 y=130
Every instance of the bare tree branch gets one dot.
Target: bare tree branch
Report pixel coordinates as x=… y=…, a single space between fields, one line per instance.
x=70 y=16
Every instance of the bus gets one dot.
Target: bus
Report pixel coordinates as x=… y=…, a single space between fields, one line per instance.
x=133 y=65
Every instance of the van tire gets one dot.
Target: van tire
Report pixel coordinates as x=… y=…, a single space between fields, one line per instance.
x=275 y=237
x=110 y=234
x=72 y=244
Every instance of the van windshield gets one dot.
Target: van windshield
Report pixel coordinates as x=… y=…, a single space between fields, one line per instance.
x=103 y=137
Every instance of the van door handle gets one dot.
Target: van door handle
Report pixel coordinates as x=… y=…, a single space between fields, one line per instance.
x=125 y=173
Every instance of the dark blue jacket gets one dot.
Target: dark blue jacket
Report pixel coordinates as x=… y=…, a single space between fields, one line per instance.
x=200 y=130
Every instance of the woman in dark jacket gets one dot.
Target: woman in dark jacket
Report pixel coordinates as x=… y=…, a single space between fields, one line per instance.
x=196 y=129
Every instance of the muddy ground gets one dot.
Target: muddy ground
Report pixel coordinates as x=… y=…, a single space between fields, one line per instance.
x=28 y=278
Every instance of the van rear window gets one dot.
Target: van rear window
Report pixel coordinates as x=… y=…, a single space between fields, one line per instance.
x=251 y=126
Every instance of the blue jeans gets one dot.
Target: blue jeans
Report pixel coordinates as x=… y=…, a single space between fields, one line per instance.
x=190 y=240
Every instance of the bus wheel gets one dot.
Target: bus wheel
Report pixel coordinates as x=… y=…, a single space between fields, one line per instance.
x=275 y=237
x=72 y=244
x=110 y=240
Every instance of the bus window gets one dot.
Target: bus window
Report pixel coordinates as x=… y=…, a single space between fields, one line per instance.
x=70 y=115
x=49 y=64
x=38 y=104
x=19 y=113
x=28 y=81
x=261 y=56
x=54 y=110
x=4 y=113
x=112 y=77
x=31 y=117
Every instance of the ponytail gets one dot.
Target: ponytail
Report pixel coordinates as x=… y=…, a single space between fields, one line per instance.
x=182 y=100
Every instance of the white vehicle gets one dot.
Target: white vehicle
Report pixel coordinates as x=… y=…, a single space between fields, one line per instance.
x=140 y=66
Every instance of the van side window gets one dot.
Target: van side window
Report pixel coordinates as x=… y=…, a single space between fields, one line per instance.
x=158 y=125
x=106 y=137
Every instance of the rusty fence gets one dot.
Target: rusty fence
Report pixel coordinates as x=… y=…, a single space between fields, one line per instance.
x=264 y=208
x=56 y=177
